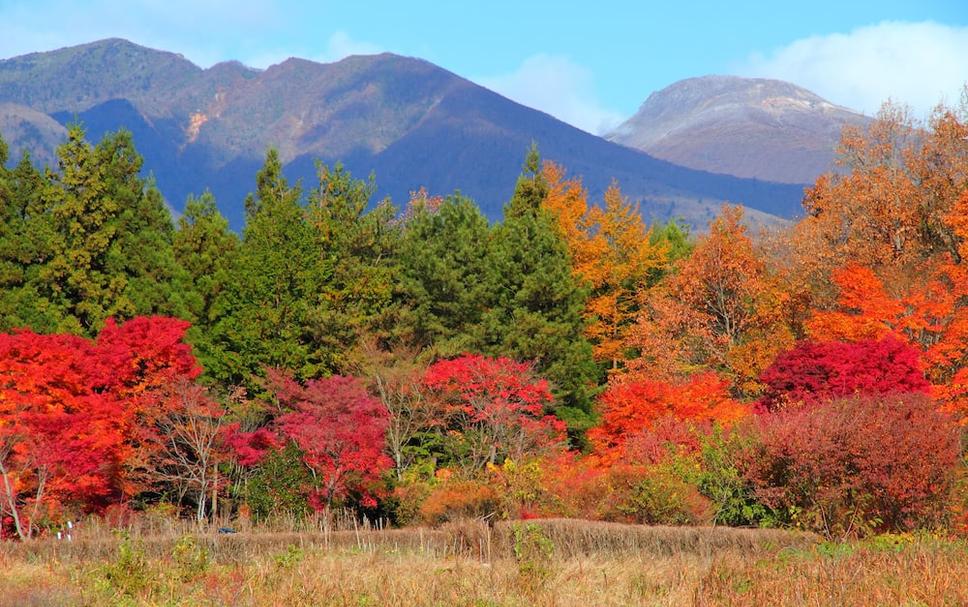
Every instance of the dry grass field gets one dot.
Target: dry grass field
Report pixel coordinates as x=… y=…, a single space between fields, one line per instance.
x=542 y=563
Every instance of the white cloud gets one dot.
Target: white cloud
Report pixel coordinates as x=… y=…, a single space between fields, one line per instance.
x=558 y=86
x=341 y=45
x=918 y=64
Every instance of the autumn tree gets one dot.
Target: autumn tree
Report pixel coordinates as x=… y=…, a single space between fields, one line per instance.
x=189 y=445
x=928 y=312
x=723 y=310
x=611 y=250
x=339 y=429
x=493 y=409
x=413 y=415
x=78 y=418
x=885 y=208
x=855 y=466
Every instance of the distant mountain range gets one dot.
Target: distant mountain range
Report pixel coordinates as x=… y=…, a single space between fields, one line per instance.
x=413 y=123
x=749 y=127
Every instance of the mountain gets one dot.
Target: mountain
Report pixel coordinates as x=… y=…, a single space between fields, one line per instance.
x=414 y=124
x=748 y=127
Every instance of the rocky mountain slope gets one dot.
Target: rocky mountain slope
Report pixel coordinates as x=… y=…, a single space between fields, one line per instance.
x=748 y=127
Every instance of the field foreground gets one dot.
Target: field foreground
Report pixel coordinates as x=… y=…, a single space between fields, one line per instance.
x=545 y=563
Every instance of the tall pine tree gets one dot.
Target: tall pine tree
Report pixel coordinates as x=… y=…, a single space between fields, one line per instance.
x=444 y=266
x=263 y=312
x=539 y=302
x=356 y=250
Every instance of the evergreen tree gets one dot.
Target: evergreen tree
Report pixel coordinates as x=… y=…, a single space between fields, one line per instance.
x=264 y=309
x=205 y=248
x=25 y=241
x=443 y=288
x=357 y=254
x=88 y=242
x=538 y=309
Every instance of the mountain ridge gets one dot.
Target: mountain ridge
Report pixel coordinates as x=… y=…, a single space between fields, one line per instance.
x=413 y=123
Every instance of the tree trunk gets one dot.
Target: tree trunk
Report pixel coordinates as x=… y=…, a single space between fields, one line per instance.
x=8 y=489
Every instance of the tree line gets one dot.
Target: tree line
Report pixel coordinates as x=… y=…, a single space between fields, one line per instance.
x=424 y=364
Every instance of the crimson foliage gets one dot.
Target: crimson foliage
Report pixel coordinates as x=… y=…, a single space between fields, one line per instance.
x=814 y=372
x=867 y=463
x=494 y=408
x=77 y=416
x=340 y=429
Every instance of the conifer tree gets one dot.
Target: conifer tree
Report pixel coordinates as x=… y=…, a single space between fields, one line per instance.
x=264 y=308
x=443 y=288
x=108 y=233
x=357 y=258
x=538 y=301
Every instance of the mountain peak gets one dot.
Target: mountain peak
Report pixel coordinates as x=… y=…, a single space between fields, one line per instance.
x=749 y=127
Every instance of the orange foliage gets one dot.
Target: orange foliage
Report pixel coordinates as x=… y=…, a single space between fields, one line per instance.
x=611 y=249
x=724 y=310
x=889 y=210
x=930 y=315
x=629 y=408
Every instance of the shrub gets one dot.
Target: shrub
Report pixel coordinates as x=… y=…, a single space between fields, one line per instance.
x=279 y=485
x=459 y=499
x=868 y=463
x=653 y=496
x=720 y=480
x=815 y=372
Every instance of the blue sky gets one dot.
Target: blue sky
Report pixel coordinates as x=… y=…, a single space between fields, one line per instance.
x=589 y=63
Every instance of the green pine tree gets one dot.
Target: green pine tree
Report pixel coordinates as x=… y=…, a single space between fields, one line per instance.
x=443 y=288
x=357 y=251
x=100 y=237
x=263 y=311
x=537 y=313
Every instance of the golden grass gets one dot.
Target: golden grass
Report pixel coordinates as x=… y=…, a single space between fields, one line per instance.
x=587 y=564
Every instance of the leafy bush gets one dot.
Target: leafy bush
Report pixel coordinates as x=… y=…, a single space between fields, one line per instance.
x=460 y=499
x=855 y=466
x=814 y=372
x=279 y=485
x=654 y=496
x=720 y=480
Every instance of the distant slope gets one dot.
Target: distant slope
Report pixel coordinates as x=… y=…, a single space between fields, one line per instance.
x=408 y=120
x=749 y=127
x=26 y=129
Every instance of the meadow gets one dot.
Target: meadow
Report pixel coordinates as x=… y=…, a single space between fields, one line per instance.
x=552 y=562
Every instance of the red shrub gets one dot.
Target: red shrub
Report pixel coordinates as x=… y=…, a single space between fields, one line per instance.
x=868 y=463
x=814 y=372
